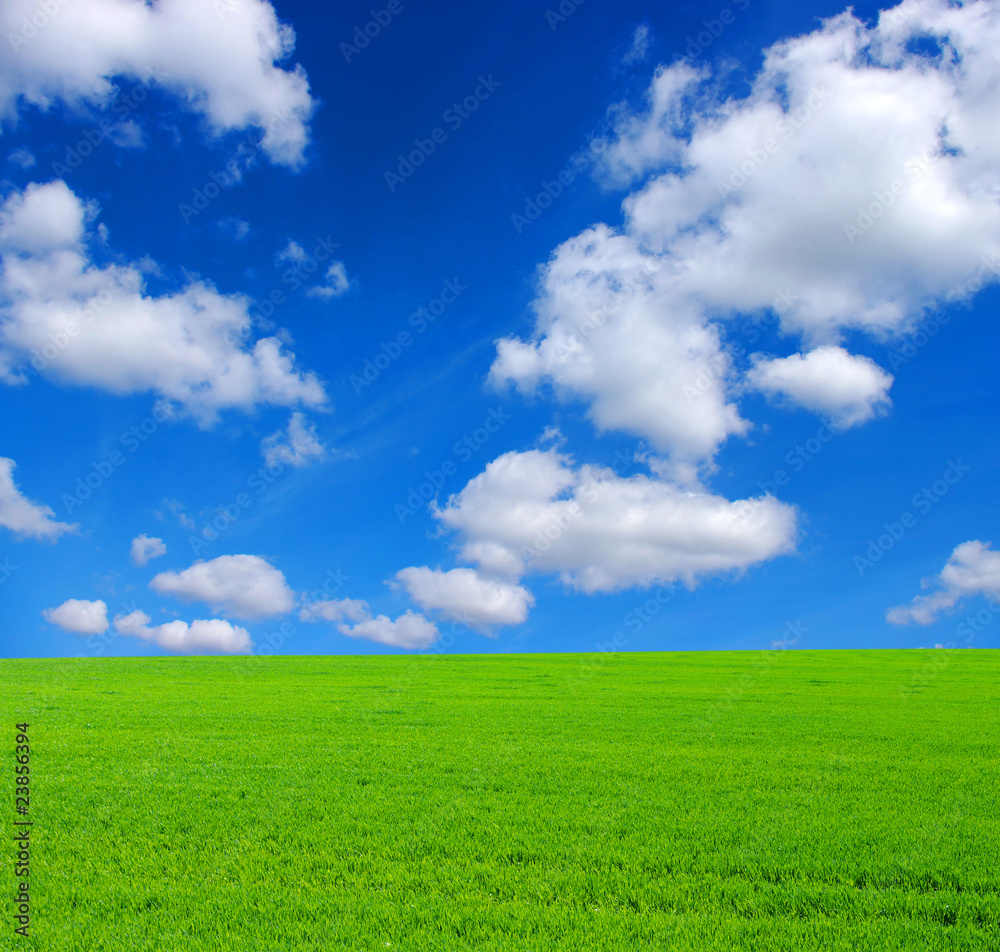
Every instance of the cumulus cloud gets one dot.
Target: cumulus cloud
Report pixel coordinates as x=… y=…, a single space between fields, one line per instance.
x=536 y=512
x=26 y=519
x=210 y=635
x=245 y=586
x=223 y=67
x=853 y=186
x=81 y=323
x=79 y=616
x=298 y=446
x=411 y=630
x=609 y=332
x=845 y=388
x=972 y=569
x=467 y=596
x=144 y=549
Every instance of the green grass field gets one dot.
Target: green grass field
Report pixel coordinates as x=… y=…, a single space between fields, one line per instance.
x=710 y=801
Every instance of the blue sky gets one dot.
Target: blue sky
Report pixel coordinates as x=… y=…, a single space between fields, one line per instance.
x=727 y=382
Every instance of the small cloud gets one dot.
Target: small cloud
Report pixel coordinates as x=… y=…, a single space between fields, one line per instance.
x=298 y=446
x=79 y=616
x=128 y=135
x=336 y=284
x=245 y=586
x=176 y=509
x=145 y=549
x=26 y=519
x=293 y=252
x=22 y=157
x=553 y=435
x=411 y=630
x=972 y=569
x=236 y=227
x=204 y=635
x=640 y=45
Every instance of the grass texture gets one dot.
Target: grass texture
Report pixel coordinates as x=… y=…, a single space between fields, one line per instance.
x=836 y=800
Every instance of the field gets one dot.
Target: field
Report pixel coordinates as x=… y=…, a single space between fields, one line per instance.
x=711 y=801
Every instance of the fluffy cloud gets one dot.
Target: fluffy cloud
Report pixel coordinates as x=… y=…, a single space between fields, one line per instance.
x=79 y=616
x=81 y=323
x=601 y=532
x=853 y=186
x=144 y=549
x=848 y=390
x=609 y=332
x=22 y=516
x=211 y=635
x=298 y=447
x=219 y=62
x=972 y=569
x=411 y=630
x=467 y=596
x=245 y=586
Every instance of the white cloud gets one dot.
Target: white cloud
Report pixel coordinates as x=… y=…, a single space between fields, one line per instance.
x=411 y=630
x=467 y=595
x=336 y=284
x=22 y=157
x=972 y=569
x=79 y=616
x=211 y=635
x=297 y=447
x=219 y=64
x=845 y=388
x=852 y=187
x=81 y=323
x=234 y=226
x=245 y=586
x=354 y=609
x=640 y=44
x=22 y=516
x=535 y=512
x=144 y=549
x=611 y=331
x=293 y=252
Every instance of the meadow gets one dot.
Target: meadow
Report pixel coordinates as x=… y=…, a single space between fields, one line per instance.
x=794 y=800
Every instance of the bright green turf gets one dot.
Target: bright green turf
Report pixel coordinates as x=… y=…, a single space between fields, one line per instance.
x=836 y=800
